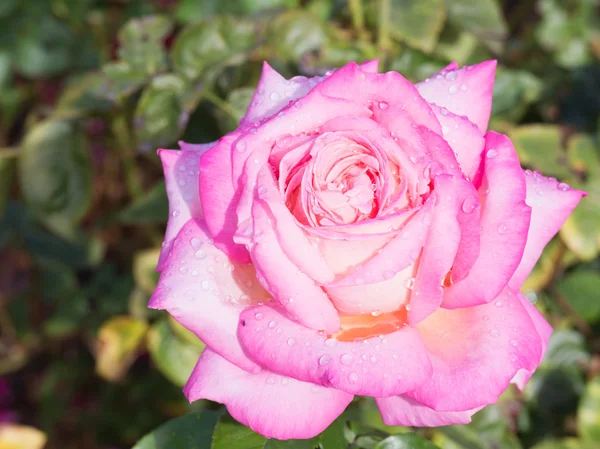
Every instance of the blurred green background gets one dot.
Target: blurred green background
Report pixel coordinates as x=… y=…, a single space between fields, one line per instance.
x=90 y=88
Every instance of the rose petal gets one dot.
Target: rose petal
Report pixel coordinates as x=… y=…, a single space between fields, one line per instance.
x=544 y=331
x=181 y=179
x=551 y=203
x=219 y=195
x=272 y=405
x=206 y=293
x=274 y=92
x=404 y=411
x=466 y=91
x=441 y=246
x=463 y=137
x=475 y=353
x=376 y=366
x=504 y=223
x=295 y=291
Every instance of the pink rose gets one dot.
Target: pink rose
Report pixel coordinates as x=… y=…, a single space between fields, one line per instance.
x=358 y=235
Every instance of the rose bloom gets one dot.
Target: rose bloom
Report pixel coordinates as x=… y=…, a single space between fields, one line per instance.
x=358 y=235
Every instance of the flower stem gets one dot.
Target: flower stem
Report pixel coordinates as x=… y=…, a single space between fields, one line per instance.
x=358 y=16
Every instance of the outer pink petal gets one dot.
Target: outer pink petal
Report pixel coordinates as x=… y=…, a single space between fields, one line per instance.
x=441 y=246
x=181 y=178
x=404 y=411
x=475 y=353
x=551 y=203
x=504 y=223
x=272 y=405
x=544 y=331
x=200 y=148
x=379 y=91
x=294 y=290
x=206 y=293
x=274 y=92
x=452 y=66
x=379 y=366
x=463 y=137
x=466 y=91
x=219 y=194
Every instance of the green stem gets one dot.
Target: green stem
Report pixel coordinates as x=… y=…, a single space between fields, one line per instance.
x=127 y=149
x=220 y=103
x=358 y=16
x=464 y=440
x=383 y=35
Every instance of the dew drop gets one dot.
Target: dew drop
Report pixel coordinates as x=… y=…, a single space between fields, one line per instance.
x=200 y=254
x=291 y=341
x=383 y=105
x=353 y=377
x=498 y=303
x=452 y=89
x=491 y=154
x=469 y=204
x=196 y=242
x=444 y=111
x=376 y=312
x=502 y=229
x=271 y=380
x=258 y=316
x=272 y=324
x=324 y=359
x=494 y=332
x=513 y=343
x=275 y=96
x=464 y=87
x=241 y=146
x=563 y=187
x=175 y=213
x=346 y=359
x=373 y=359
x=410 y=283
x=451 y=75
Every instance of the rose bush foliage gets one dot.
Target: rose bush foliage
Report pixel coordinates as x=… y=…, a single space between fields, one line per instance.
x=358 y=235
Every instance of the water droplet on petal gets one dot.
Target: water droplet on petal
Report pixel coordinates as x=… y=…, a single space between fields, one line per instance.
x=275 y=96
x=200 y=254
x=498 y=303
x=291 y=341
x=258 y=316
x=502 y=229
x=272 y=324
x=175 y=213
x=464 y=87
x=444 y=111
x=376 y=312
x=410 y=283
x=353 y=377
x=271 y=380
x=469 y=204
x=451 y=75
x=383 y=105
x=452 y=89
x=491 y=154
x=346 y=359
x=513 y=343
x=563 y=186
x=241 y=146
x=373 y=359
x=324 y=359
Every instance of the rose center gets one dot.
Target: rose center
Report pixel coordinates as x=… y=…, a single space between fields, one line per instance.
x=368 y=326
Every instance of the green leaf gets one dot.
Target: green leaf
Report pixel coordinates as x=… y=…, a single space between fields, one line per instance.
x=567 y=443
x=514 y=92
x=334 y=437
x=141 y=42
x=588 y=413
x=174 y=357
x=483 y=18
x=581 y=290
x=83 y=96
x=56 y=174
x=159 y=118
x=539 y=147
x=206 y=48
x=565 y=348
x=144 y=265
x=406 y=441
x=581 y=231
x=191 y=431
x=418 y=22
x=296 y=33
x=44 y=47
x=119 y=342
x=229 y=434
x=151 y=208
x=120 y=80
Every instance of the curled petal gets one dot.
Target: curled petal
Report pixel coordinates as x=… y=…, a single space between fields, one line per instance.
x=466 y=91
x=274 y=406
x=475 y=352
x=551 y=203
x=404 y=411
x=206 y=293
x=375 y=366
x=504 y=223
